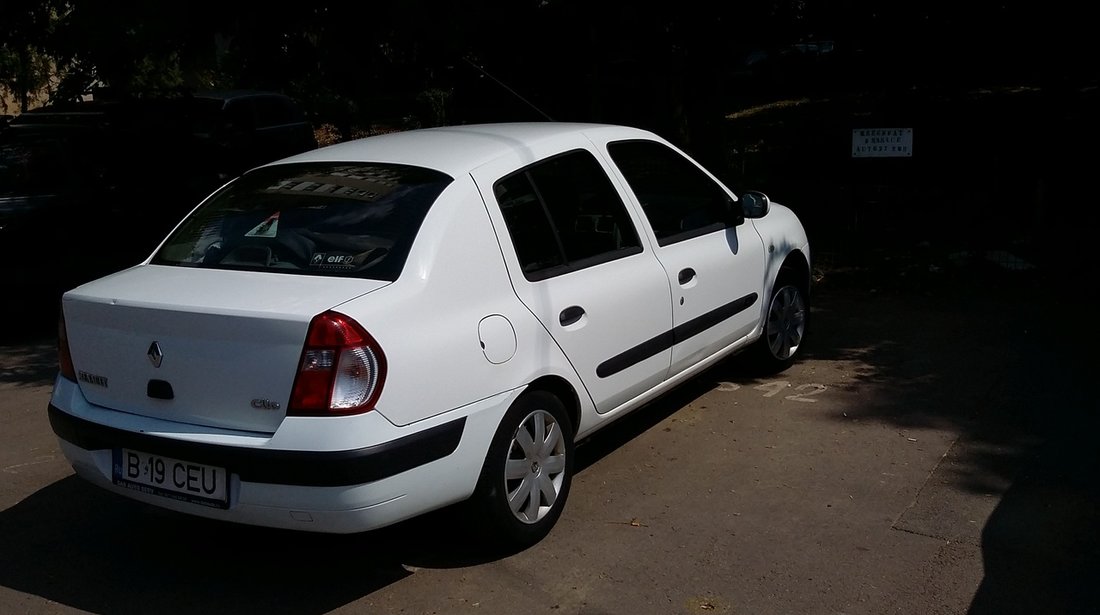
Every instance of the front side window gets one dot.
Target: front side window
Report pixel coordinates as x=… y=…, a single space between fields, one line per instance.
x=679 y=200
x=336 y=219
x=563 y=214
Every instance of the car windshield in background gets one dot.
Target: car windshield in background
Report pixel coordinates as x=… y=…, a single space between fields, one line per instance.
x=338 y=219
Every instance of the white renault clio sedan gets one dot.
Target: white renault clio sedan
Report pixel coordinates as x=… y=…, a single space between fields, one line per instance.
x=360 y=334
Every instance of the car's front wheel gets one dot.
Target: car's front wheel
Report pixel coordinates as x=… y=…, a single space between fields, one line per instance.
x=784 y=327
x=528 y=471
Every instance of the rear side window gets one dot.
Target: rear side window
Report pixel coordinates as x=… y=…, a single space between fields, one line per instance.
x=563 y=214
x=680 y=201
x=334 y=219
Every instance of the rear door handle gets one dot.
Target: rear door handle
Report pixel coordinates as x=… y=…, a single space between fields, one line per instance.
x=686 y=275
x=570 y=315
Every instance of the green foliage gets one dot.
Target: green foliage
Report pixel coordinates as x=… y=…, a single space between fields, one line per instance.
x=26 y=66
x=436 y=99
x=366 y=64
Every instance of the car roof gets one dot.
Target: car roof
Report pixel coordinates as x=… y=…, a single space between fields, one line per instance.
x=233 y=94
x=457 y=150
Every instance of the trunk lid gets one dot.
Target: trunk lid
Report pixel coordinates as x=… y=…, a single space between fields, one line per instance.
x=206 y=347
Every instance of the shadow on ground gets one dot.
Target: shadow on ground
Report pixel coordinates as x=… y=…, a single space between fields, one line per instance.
x=1027 y=431
x=1040 y=547
x=90 y=550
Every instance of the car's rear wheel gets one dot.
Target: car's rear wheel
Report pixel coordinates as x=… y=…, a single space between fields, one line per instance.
x=528 y=471
x=784 y=327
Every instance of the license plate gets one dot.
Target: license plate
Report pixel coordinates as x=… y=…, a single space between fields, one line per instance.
x=172 y=478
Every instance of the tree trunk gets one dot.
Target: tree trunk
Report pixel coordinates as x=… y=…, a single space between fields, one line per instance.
x=24 y=76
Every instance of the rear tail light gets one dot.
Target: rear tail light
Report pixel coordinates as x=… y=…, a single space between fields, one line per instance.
x=341 y=371
x=64 y=358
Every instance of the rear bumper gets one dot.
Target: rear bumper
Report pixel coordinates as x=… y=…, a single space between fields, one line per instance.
x=261 y=465
x=399 y=473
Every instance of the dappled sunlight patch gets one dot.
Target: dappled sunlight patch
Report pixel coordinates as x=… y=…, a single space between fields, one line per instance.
x=30 y=364
x=772 y=106
x=329 y=134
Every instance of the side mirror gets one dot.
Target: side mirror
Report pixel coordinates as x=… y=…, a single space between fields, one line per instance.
x=754 y=204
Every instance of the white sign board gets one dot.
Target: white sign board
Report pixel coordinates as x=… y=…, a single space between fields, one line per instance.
x=882 y=142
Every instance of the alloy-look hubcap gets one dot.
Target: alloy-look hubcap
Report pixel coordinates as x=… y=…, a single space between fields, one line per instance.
x=535 y=469
x=786 y=322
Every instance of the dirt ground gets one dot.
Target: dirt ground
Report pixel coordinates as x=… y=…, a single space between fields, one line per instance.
x=932 y=453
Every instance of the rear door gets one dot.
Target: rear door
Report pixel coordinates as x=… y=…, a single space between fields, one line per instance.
x=577 y=262
x=715 y=269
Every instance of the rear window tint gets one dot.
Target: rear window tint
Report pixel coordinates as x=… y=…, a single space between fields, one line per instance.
x=335 y=219
x=563 y=214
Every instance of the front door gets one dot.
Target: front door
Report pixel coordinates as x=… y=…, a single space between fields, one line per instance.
x=713 y=265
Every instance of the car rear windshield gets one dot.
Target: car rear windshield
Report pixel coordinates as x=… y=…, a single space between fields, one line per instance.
x=334 y=219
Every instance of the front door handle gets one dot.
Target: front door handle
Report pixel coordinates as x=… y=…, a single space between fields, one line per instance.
x=686 y=275
x=570 y=315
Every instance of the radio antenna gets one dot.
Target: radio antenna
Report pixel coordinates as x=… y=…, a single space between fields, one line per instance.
x=510 y=90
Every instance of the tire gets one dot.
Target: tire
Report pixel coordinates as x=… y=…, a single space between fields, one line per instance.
x=785 y=325
x=524 y=486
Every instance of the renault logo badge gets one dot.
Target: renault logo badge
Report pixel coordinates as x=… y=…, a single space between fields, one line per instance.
x=155 y=355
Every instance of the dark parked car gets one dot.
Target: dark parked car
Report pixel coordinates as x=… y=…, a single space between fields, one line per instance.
x=60 y=216
x=208 y=137
x=131 y=146
x=75 y=177
x=249 y=128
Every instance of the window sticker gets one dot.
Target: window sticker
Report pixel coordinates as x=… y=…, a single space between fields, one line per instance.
x=267 y=228
x=332 y=260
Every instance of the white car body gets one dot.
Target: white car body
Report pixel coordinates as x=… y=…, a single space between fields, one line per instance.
x=464 y=334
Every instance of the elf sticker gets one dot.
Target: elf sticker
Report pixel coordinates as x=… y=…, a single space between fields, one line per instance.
x=267 y=228
x=322 y=259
